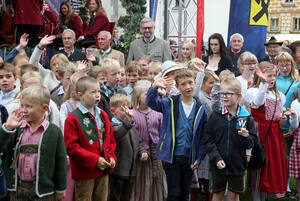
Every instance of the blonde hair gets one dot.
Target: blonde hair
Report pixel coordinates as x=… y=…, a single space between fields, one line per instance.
x=191 y=46
x=38 y=93
x=119 y=99
x=66 y=67
x=138 y=89
x=246 y=57
x=99 y=10
x=18 y=58
x=226 y=74
x=266 y=66
x=286 y=57
x=28 y=68
x=29 y=75
x=155 y=64
x=109 y=64
x=61 y=57
x=93 y=72
x=207 y=75
x=233 y=84
x=183 y=73
x=195 y=61
x=133 y=66
x=145 y=58
x=72 y=84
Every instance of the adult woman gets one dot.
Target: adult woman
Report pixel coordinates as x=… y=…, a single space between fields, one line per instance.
x=69 y=20
x=295 y=47
x=187 y=52
x=98 y=22
x=217 y=60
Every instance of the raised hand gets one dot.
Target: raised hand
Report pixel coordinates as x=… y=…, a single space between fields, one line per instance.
x=14 y=120
x=90 y=57
x=46 y=40
x=24 y=40
x=160 y=82
x=82 y=66
x=260 y=73
x=215 y=77
x=128 y=113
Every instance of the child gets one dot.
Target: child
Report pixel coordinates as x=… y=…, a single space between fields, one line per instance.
x=150 y=175
x=112 y=68
x=90 y=143
x=196 y=65
x=266 y=107
x=65 y=71
x=122 y=80
x=129 y=149
x=247 y=64
x=7 y=83
x=28 y=138
x=144 y=62
x=154 y=69
x=179 y=145
x=132 y=76
x=18 y=62
x=98 y=73
x=229 y=132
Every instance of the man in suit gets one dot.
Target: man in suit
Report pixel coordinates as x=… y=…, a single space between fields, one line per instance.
x=104 y=42
x=236 y=44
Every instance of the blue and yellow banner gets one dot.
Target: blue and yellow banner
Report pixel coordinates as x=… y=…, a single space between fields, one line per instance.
x=250 y=18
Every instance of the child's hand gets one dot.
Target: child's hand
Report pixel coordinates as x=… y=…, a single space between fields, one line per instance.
x=221 y=164
x=59 y=196
x=248 y=159
x=112 y=162
x=199 y=68
x=128 y=113
x=144 y=156
x=82 y=66
x=215 y=77
x=159 y=83
x=260 y=74
x=90 y=57
x=102 y=164
x=14 y=120
x=290 y=112
x=243 y=132
x=195 y=165
x=283 y=119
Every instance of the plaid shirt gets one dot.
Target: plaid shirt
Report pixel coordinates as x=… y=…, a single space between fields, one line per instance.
x=110 y=91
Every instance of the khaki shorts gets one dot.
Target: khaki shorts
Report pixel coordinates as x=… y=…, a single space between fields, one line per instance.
x=235 y=183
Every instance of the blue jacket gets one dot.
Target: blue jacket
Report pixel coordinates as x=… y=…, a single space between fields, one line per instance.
x=170 y=109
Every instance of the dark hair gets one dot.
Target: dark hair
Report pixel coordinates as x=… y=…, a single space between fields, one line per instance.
x=294 y=46
x=64 y=20
x=219 y=37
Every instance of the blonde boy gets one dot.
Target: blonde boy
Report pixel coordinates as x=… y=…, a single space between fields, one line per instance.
x=99 y=73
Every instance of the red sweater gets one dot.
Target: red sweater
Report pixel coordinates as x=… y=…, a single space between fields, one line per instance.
x=101 y=23
x=83 y=156
x=6 y=24
x=76 y=25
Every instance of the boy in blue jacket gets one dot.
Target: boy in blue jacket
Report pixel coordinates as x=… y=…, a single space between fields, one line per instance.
x=181 y=134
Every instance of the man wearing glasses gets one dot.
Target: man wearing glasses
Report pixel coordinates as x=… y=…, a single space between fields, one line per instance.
x=272 y=47
x=149 y=45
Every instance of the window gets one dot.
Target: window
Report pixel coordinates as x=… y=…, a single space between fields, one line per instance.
x=288 y=1
x=274 y=25
x=297 y=24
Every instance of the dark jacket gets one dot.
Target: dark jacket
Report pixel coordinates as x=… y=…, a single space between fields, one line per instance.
x=129 y=149
x=235 y=59
x=222 y=142
x=75 y=56
x=57 y=98
x=224 y=63
x=104 y=104
x=170 y=109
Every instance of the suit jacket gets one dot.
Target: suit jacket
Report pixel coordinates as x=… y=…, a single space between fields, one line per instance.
x=75 y=56
x=235 y=59
x=114 y=54
x=28 y=11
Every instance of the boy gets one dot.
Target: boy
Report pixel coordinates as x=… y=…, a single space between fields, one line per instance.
x=229 y=132
x=7 y=83
x=112 y=68
x=65 y=71
x=36 y=162
x=181 y=134
x=132 y=75
x=129 y=149
x=90 y=143
x=98 y=73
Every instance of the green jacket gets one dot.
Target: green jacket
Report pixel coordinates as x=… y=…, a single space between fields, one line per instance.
x=51 y=175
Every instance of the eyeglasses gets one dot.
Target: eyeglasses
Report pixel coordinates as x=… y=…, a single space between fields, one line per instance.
x=145 y=28
x=226 y=94
x=284 y=65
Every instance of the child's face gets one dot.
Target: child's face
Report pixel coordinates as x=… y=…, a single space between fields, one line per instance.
x=113 y=76
x=31 y=81
x=54 y=67
x=228 y=97
x=271 y=77
x=7 y=81
x=153 y=72
x=145 y=67
x=208 y=85
x=118 y=113
x=20 y=63
x=91 y=96
x=101 y=78
x=31 y=110
x=285 y=68
x=122 y=81
x=186 y=86
x=249 y=67
x=65 y=80
x=132 y=78
x=142 y=100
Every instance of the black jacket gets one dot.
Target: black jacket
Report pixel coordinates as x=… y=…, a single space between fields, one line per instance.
x=222 y=141
x=224 y=63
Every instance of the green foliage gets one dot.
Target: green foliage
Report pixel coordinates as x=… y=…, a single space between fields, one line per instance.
x=136 y=10
x=83 y=11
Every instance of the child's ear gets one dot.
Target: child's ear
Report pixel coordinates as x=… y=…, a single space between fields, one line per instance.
x=79 y=94
x=46 y=107
x=112 y=110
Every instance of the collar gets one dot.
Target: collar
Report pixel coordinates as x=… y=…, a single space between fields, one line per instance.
x=61 y=90
x=85 y=111
x=116 y=121
x=241 y=111
x=102 y=52
x=225 y=111
x=14 y=91
x=110 y=88
x=44 y=124
x=69 y=54
x=234 y=51
x=151 y=41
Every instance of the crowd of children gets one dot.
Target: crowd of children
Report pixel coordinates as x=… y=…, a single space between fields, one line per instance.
x=147 y=131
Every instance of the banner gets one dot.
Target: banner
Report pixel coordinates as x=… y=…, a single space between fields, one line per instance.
x=250 y=18
x=153 y=9
x=200 y=27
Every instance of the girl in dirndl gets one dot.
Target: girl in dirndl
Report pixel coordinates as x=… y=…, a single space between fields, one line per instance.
x=266 y=104
x=294 y=161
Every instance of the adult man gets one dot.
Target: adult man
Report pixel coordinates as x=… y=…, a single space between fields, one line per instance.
x=236 y=44
x=104 y=41
x=272 y=47
x=149 y=45
x=69 y=39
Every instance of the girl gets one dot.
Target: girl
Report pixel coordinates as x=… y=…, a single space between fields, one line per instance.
x=266 y=107
x=187 y=52
x=144 y=62
x=247 y=64
x=69 y=20
x=217 y=60
x=151 y=180
x=19 y=61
